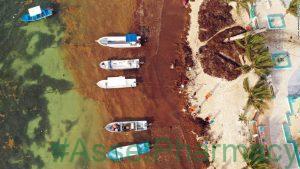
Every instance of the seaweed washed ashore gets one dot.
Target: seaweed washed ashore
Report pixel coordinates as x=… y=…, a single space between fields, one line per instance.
x=218 y=58
x=161 y=83
x=158 y=84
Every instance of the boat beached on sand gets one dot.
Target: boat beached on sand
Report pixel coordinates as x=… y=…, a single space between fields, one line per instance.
x=125 y=126
x=120 y=153
x=120 y=64
x=127 y=41
x=36 y=13
x=117 y=82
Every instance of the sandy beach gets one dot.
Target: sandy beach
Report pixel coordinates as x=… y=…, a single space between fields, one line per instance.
x=225 y=104
x=223 y=101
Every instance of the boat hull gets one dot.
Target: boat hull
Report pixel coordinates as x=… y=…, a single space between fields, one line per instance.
x=45 y=13
x=120 y=153
x=120 y=64
x=119 y=42
x=117 y=83
x=123 y=45
x=127 y=126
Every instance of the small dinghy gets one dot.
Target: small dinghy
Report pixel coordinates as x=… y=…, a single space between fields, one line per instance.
x=127 y=41
x=125 y=126
x=120 y=64
x=117 y=82
x=36 y=13
x=120 y=153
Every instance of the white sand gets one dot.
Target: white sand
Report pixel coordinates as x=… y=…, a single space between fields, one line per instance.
x=193 y=40
x=229 y=98
x=241 y=18
x=225 y=105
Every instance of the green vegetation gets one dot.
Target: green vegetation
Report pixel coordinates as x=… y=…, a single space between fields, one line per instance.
x=257 y=53
x=243 y=118
x=242 y=4
x=258 y=95
x=293 y=7
x=255 y=157
x=261 y=62
x=259 y=59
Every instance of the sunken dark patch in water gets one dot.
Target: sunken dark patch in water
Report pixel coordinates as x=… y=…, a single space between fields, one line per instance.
x=22 y=97
x=21 y=103
x=70 y=124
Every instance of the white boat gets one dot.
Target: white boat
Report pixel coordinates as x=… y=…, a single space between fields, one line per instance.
x=116 y=82
x=125 y=126
x=120 y=64
x=127 y=41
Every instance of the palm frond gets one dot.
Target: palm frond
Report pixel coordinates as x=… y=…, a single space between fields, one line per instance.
x=240 y=43
x=255 y=157
x=258 y=95
x=245 y=68
x=246 y=85
x=293 y=7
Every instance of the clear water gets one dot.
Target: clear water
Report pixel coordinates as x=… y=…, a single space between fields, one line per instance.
x=38 y=104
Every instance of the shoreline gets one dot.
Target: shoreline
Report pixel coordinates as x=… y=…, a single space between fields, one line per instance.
x=209 y=94
x=156 y=98
x=189 y=87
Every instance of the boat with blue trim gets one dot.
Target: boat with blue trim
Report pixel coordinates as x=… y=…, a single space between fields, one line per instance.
x=127 y=41
x=36 y=13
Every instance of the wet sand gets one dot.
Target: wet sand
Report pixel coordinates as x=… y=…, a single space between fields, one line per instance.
x=156 y=97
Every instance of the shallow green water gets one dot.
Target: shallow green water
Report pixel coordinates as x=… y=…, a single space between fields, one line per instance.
x=38 y=104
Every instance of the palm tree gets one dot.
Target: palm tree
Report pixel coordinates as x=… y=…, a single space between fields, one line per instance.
x=258 y=95
x=293 y=7
x=261 y=63
x=252 y=44
x=257 y=54
x=243 y=118
x=255 y=157
x=242 y=4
